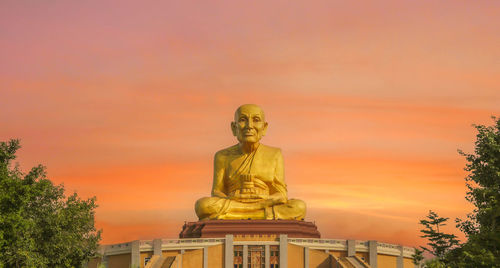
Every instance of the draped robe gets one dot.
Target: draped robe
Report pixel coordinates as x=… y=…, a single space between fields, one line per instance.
x=249 y=186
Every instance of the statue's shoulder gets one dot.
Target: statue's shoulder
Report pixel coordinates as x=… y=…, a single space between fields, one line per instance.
x=232 y=150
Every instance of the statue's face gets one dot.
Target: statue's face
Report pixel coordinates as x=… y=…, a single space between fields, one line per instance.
x=249 y=124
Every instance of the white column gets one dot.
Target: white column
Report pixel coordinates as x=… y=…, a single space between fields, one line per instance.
x=229 y=251
x=205 y=257
x=283 y=251
x=179 y=263
x=136 y=253
x=157 y=247
x=267 y=256
x=372 y=251
x=351 y=248
x=245 y=256
x=399 y=260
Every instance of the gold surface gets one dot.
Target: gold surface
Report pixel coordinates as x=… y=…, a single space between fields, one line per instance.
x=215 y=256
x=191 y=258
x=319 y=259
x=295 y=256
x=248 y=178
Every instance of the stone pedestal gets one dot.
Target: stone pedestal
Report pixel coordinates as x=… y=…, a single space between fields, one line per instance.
x=219 y=228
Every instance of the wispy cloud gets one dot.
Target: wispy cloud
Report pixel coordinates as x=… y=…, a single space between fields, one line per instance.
x=369 y=103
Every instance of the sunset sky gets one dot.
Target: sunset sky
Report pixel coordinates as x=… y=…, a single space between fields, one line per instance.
x=129 y=100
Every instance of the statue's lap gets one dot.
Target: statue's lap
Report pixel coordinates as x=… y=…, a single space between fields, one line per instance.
x=223 y=208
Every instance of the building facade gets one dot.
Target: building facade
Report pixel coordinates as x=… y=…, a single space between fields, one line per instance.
x=253 y=252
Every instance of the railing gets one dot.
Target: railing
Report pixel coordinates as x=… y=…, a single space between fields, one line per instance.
x=318 y=241
x=192 y=240
x=187 y=243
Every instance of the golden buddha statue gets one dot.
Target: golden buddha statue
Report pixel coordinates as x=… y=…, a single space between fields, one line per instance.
x=248 y=177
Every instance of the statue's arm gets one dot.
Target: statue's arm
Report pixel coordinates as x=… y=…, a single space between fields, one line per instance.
x=218 y=183
x=278 y=191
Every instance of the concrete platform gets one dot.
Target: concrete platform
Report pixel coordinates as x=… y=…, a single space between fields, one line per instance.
x=220 y=228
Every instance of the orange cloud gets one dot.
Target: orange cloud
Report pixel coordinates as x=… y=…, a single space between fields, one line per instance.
x=369 y=104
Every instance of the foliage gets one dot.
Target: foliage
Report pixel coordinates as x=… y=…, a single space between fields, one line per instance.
x=435 y=263
x=418 y=256
x=439 y=242
x=482 y=226
x=39 y=225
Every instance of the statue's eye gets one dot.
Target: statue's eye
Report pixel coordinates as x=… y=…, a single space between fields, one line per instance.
x=256 y=119
x=243 y=119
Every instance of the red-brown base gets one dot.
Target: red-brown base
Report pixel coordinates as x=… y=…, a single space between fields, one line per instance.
x=219 y=228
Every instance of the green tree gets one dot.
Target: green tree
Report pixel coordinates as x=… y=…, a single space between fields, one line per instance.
x=440 y=243
x=435 y=263
x=482 y=226
x=39 y=225
x=418 y=257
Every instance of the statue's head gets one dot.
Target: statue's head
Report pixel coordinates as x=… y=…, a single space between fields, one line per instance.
x=249 y=123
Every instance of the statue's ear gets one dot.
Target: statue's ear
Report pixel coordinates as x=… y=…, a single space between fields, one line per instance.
x=265 y=129
x=234 y=128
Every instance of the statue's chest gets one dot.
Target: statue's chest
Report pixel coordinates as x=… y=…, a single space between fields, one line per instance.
x=263 y=168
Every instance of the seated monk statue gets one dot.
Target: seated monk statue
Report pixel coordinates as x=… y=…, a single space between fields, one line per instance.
x=248 y=177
